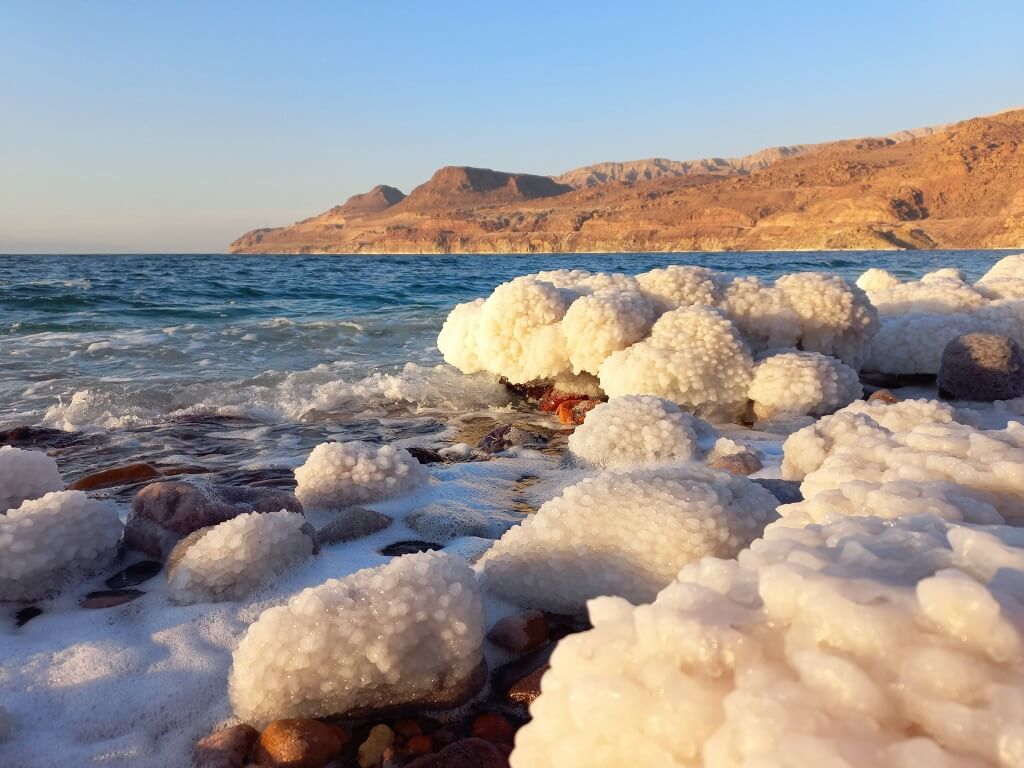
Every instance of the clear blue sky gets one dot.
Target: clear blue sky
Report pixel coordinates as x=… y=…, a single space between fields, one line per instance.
x=176 y=126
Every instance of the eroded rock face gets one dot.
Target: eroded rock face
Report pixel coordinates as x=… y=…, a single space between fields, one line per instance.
x=164 y=512
x=982 y=367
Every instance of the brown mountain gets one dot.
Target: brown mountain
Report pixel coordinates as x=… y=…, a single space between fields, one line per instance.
x=956 y=186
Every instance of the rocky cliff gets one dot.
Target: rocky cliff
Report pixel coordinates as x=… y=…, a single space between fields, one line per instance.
x=955 y=186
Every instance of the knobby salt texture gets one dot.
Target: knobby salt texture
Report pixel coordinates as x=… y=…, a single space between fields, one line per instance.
x=25 y=475
x=343 y=474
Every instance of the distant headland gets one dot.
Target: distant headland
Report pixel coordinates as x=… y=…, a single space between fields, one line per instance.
x=952 y=186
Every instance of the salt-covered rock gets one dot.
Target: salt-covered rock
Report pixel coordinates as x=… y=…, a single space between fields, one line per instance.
x=407 y=632
x=876 y=279
x=761 y=313
x=801 y=383
x=162 y=513
x=624 y=534
x=982 y=366
x=597 y=325
x=457 y=339
x=25 y=475
x=860 y=643
x=343 y=474
x=694 y=357
x=636 y=429
x=678 y=286
x=234 y=558
x=48 y=541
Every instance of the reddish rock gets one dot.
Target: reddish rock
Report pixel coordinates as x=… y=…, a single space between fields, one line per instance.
x=527 y=689
x=407 y=728
x=299 y=744
x=468 y=753
x=883 y=396
x=420 y=744
x=520 y=633
x=574 y=412
x=164 y=512
x=737 y=463
x=108 y=478
x=555 y=397
x=226 y=748
x=494 y=727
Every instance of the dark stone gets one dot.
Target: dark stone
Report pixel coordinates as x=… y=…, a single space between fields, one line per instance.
x=40 y=437
x=25 y=615
x=982 y=367
x=226 y=748
x=527 y=689
x=896 y=380
x=510 y=436
x=409 y=547
x=467 y=753
x=135 y=574
x=109 y=478
x=425 y=455
x=507 y=675
x=786 y=491
x=108 y=598
x=351 y=524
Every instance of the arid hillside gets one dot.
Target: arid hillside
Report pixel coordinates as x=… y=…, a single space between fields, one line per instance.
x=955 y=186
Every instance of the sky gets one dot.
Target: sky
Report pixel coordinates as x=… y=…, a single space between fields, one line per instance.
x=169 y=127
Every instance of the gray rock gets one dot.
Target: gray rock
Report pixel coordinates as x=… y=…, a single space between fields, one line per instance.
x=982 y=367
x=351 y=524
x=786 y=491
x=164 y=512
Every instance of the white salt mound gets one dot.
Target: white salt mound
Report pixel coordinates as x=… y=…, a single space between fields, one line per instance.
x=382 y=636
x=25 y=475
x=624 y=534
x=636 y=429
x=235 y=557
x=876 y=279
x=597 y=325
x=344 y=474
x=860 y=643
x=457 y=339
x=694 y=357
x=802 y=383
x=48 y=541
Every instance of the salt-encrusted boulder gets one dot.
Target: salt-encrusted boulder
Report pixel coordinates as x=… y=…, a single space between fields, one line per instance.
x=860 y=643
x=802 y=383
x=624 y=534
x=25 y=475
x=678 y=286
x=49 y=541
x=232 y=559
x=597 y=325
x=876 y=279
x=694 y=357
x=409 y=632
x=637 y=429
x=982 y=366
x=342 y=474
x=164 y=512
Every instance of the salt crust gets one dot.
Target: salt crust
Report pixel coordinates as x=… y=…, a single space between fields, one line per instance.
x=636 y=429
x=694 y=357
x=624 y=534
x=858 y=643
x=48 y=541
x=25 y=475
x=235 y=557
x=343 y=474
x=802 y=383
x=394 y=634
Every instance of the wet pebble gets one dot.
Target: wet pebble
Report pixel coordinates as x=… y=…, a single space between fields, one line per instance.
x=409 y=547
x=134 y=574
x=226 y=748
x=109 y=598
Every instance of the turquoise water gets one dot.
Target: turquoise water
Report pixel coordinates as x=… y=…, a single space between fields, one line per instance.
x=261 y=357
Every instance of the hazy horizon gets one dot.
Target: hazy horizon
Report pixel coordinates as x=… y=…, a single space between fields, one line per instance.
x=165 y=129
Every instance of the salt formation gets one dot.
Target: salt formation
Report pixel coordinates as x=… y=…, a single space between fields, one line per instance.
x=624 y=534
x=859 y=643
x=694 y=357
x=602 y=323
x=343 y=474
x=545 y=326
x=801 y=383
x=636 y=429
x=47 y=541
x=401 y=633
x=25 y=475
x=230 y=560
x=875 y=279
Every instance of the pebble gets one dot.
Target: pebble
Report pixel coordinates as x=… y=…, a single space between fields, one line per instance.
x=883 y=396
x=135 y=574
x=299 y=743
x=108 y=478
x=494 y=727
x=738 y=463
x=555 y=397
x=574 y=412
x=351 y=524
x=226 y=748
x=786 y=491
x=371 y=751
x=524 y=691
x=409 y=547
x=109 y=598
x=25 y=615
x=425 y=455
x=521 y=632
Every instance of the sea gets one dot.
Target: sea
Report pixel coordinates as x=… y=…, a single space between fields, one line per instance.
x=237 y=363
